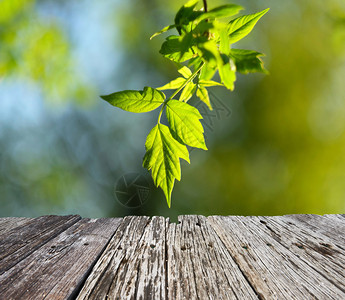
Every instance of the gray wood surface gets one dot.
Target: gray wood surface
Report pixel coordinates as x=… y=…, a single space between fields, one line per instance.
x=318 y=251
x=7 y=224
x=198 y=265
x=269 y=264
x=285 y=257
x=23 y=240
x=71 y=255
x=132 y=265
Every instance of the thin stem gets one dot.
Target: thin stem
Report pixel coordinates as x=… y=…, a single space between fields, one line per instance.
x=160 y=113
x=179 y=89
x=205 y=5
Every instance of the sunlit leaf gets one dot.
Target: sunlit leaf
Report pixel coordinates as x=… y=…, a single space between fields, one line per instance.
x=202 y=28
x=184 y=123
x=227 y=73
x=174 y=84
x=221 y=12
x=196 y=62
x=188 y=91
x=242 y=26
x=202 y=94
x=224 y=43
x=185 y=71
x=186 y=14
x=207 y=83
x=136 y=101
x=247 y=61
x=163 y=30
x=187 y=41
x=174 y=49
x=162 y=157
x=209 y=53
x=207 y=72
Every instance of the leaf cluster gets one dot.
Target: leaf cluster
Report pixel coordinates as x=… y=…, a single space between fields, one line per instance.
x=201 y=47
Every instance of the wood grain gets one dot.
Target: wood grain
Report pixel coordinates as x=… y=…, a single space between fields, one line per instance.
x=23 y=240
x=7 y=224
x=59 y=267
x=270 y=266
x=198 y=265
x=233 y=257
x=318 y=251
x=322 y=226
x=132 y=267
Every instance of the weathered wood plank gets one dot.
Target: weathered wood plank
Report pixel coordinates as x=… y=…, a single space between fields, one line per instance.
x=116 y=274
x=288 y=257
x=189 y=254
x=198 y=265
x=7 y=224
x=322 y=226
x=59 y=267
x=319 y=252
x=273 y=270
x=23 y=240
x=337 y=218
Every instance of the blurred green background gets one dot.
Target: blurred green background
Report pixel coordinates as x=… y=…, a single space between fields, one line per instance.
x=276 y=144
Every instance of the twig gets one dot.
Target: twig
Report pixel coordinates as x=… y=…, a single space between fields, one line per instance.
x=205 y=5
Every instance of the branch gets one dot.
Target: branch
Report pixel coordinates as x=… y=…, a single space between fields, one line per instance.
x=205 y=5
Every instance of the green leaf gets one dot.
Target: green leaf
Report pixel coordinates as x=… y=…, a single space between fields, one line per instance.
x=207 y=72
x=202 y=93
x=241 y=26
x=209 y=53
x=162 y=157
x=136 y=101
x=186 y=43
x=224 y=44
x=247 y=61
x=186 y=14
x=185 y=72
x=196 y=62
x=227 y=73
x=184 y=122
x=207 y=83
x=174 y=49
x=202 y=28
x=163 y=30
x=221 y=12
x=174 y=84
x=188 y=91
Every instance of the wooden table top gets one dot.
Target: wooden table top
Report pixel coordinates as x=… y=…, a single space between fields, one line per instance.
x=216 y=257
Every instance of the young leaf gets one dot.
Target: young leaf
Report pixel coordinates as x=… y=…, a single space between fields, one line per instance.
x=186 y=14
x=209 y=53
x=136 y=101
x=174 y=84
x=221 y=12
x=163 y=30
x=247 y=61
x=207 y=72
x=224 y=43
x=188 y=91
x=185 y=72
x=202 y=93
x=174 y=49
x=241 y=26
x=162 y=157
x=227 y=73
x=184 y=122
x=202 y=28
x=187 y=41
x=207 y=83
